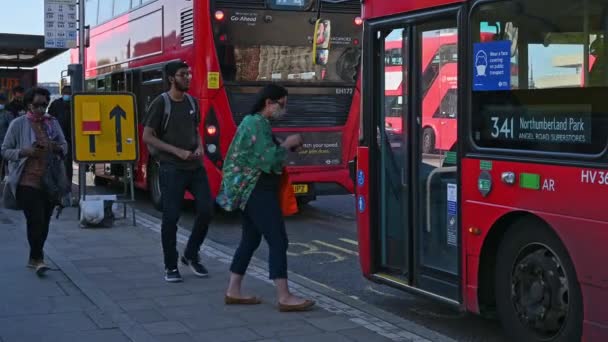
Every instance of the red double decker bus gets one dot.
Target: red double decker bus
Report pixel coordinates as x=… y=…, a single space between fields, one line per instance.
x=234 y=48
x=508 y=221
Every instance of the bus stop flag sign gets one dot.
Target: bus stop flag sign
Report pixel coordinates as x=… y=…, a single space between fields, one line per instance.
x=492 y=66
x=60 y=23
x=104 y=127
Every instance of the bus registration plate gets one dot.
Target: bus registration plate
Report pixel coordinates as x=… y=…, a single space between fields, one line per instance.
x=300 y=188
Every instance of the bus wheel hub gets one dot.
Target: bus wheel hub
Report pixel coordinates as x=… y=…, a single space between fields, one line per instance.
x=540 y=291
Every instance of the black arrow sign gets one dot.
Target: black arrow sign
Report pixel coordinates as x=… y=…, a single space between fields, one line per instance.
x=92 y=143
x=117 y=113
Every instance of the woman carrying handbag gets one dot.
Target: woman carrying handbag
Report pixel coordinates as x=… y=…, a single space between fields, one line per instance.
x=30 y=144
x=252 y=182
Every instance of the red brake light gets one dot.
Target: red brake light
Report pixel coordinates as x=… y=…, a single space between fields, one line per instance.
x=358 y=21
x=211 y=130
x=219 y=15
x=356 y=41
x=223 y=38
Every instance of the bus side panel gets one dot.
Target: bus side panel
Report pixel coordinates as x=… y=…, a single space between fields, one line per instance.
x=582 y=227
x=363 y=211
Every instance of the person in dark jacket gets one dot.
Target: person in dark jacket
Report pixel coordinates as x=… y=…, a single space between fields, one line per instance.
x=16 y=105
x=61 y=109
x=5 y=119
x=30 y=139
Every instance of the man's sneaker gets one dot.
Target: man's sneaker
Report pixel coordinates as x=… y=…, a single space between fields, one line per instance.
x=196 y=267
x=173 y=276
x=31 y=263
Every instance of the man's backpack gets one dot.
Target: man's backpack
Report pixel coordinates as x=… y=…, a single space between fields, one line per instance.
x=167 y=115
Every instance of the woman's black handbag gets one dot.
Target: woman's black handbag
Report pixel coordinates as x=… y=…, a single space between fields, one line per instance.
x=9 y=201
x=55 y=180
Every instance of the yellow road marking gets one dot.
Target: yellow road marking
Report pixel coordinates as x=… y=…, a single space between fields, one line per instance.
x=344 y=250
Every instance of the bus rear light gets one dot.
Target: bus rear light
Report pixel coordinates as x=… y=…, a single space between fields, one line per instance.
x=358 y=21
x=474 y=231
x=211 y=130
x=223 y=38
x=219 y=15
x=356 y=41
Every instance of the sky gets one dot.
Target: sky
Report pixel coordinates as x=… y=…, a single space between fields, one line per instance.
x=27 y=17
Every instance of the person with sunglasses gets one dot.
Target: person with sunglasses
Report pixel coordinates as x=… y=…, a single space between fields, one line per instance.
x=29 y=141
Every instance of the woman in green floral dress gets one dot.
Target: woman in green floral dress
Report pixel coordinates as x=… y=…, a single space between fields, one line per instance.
x=252 y=173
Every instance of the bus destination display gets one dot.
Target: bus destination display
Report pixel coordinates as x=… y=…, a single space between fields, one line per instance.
x=563 y=124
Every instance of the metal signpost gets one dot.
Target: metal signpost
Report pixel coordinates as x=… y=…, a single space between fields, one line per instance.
x=105 y=131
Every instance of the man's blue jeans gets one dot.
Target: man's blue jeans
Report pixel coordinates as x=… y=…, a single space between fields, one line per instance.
x=173 y=184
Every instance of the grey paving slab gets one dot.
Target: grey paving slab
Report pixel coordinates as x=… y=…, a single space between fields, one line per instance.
x=182 y=300
x=287 y=328
x=326 y=337
x=60 y=322
x=165 y=328
x=178 y=338
x=147 y=316
x=137 y=304
x=101 y=319
x=211 y=322
x=227 y=335
x=111 y=335
x=363 y=335
x=334 y=323
x=70 y=304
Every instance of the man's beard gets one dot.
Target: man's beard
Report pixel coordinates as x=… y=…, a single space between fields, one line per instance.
x=181 y=87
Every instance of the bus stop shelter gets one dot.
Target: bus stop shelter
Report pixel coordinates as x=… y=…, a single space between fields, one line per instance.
x=20 y=54
x=24 y=51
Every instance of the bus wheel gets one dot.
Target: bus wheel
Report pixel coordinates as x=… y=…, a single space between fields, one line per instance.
x=538 y=297
x=428 y=140
x=154 y=185
x=303 y=200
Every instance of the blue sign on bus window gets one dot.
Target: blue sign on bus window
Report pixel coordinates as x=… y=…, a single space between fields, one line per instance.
x=492 y=66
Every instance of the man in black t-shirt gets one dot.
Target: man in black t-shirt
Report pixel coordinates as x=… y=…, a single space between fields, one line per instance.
x=175 y=139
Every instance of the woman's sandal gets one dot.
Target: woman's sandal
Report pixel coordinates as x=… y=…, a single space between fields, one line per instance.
x=241 y=301
x=297 y=307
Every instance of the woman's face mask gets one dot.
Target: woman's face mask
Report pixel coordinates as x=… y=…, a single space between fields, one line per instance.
x=38 y=108
x=280 y=111
x=67 y=98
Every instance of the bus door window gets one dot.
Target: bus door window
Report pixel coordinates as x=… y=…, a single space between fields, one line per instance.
x=152 y=84
x=393 y=146
x=118 y=82
x=437 y=173
x=90 y=85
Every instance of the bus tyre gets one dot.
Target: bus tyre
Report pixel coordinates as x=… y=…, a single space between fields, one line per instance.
x=154 y=185
x=538 y=297
x=303 y=200
x=428 y=140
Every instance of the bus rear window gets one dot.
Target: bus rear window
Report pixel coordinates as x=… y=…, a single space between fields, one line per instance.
x=539 y=80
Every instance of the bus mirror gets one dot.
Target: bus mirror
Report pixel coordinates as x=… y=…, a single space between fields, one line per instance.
x=322 y=36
